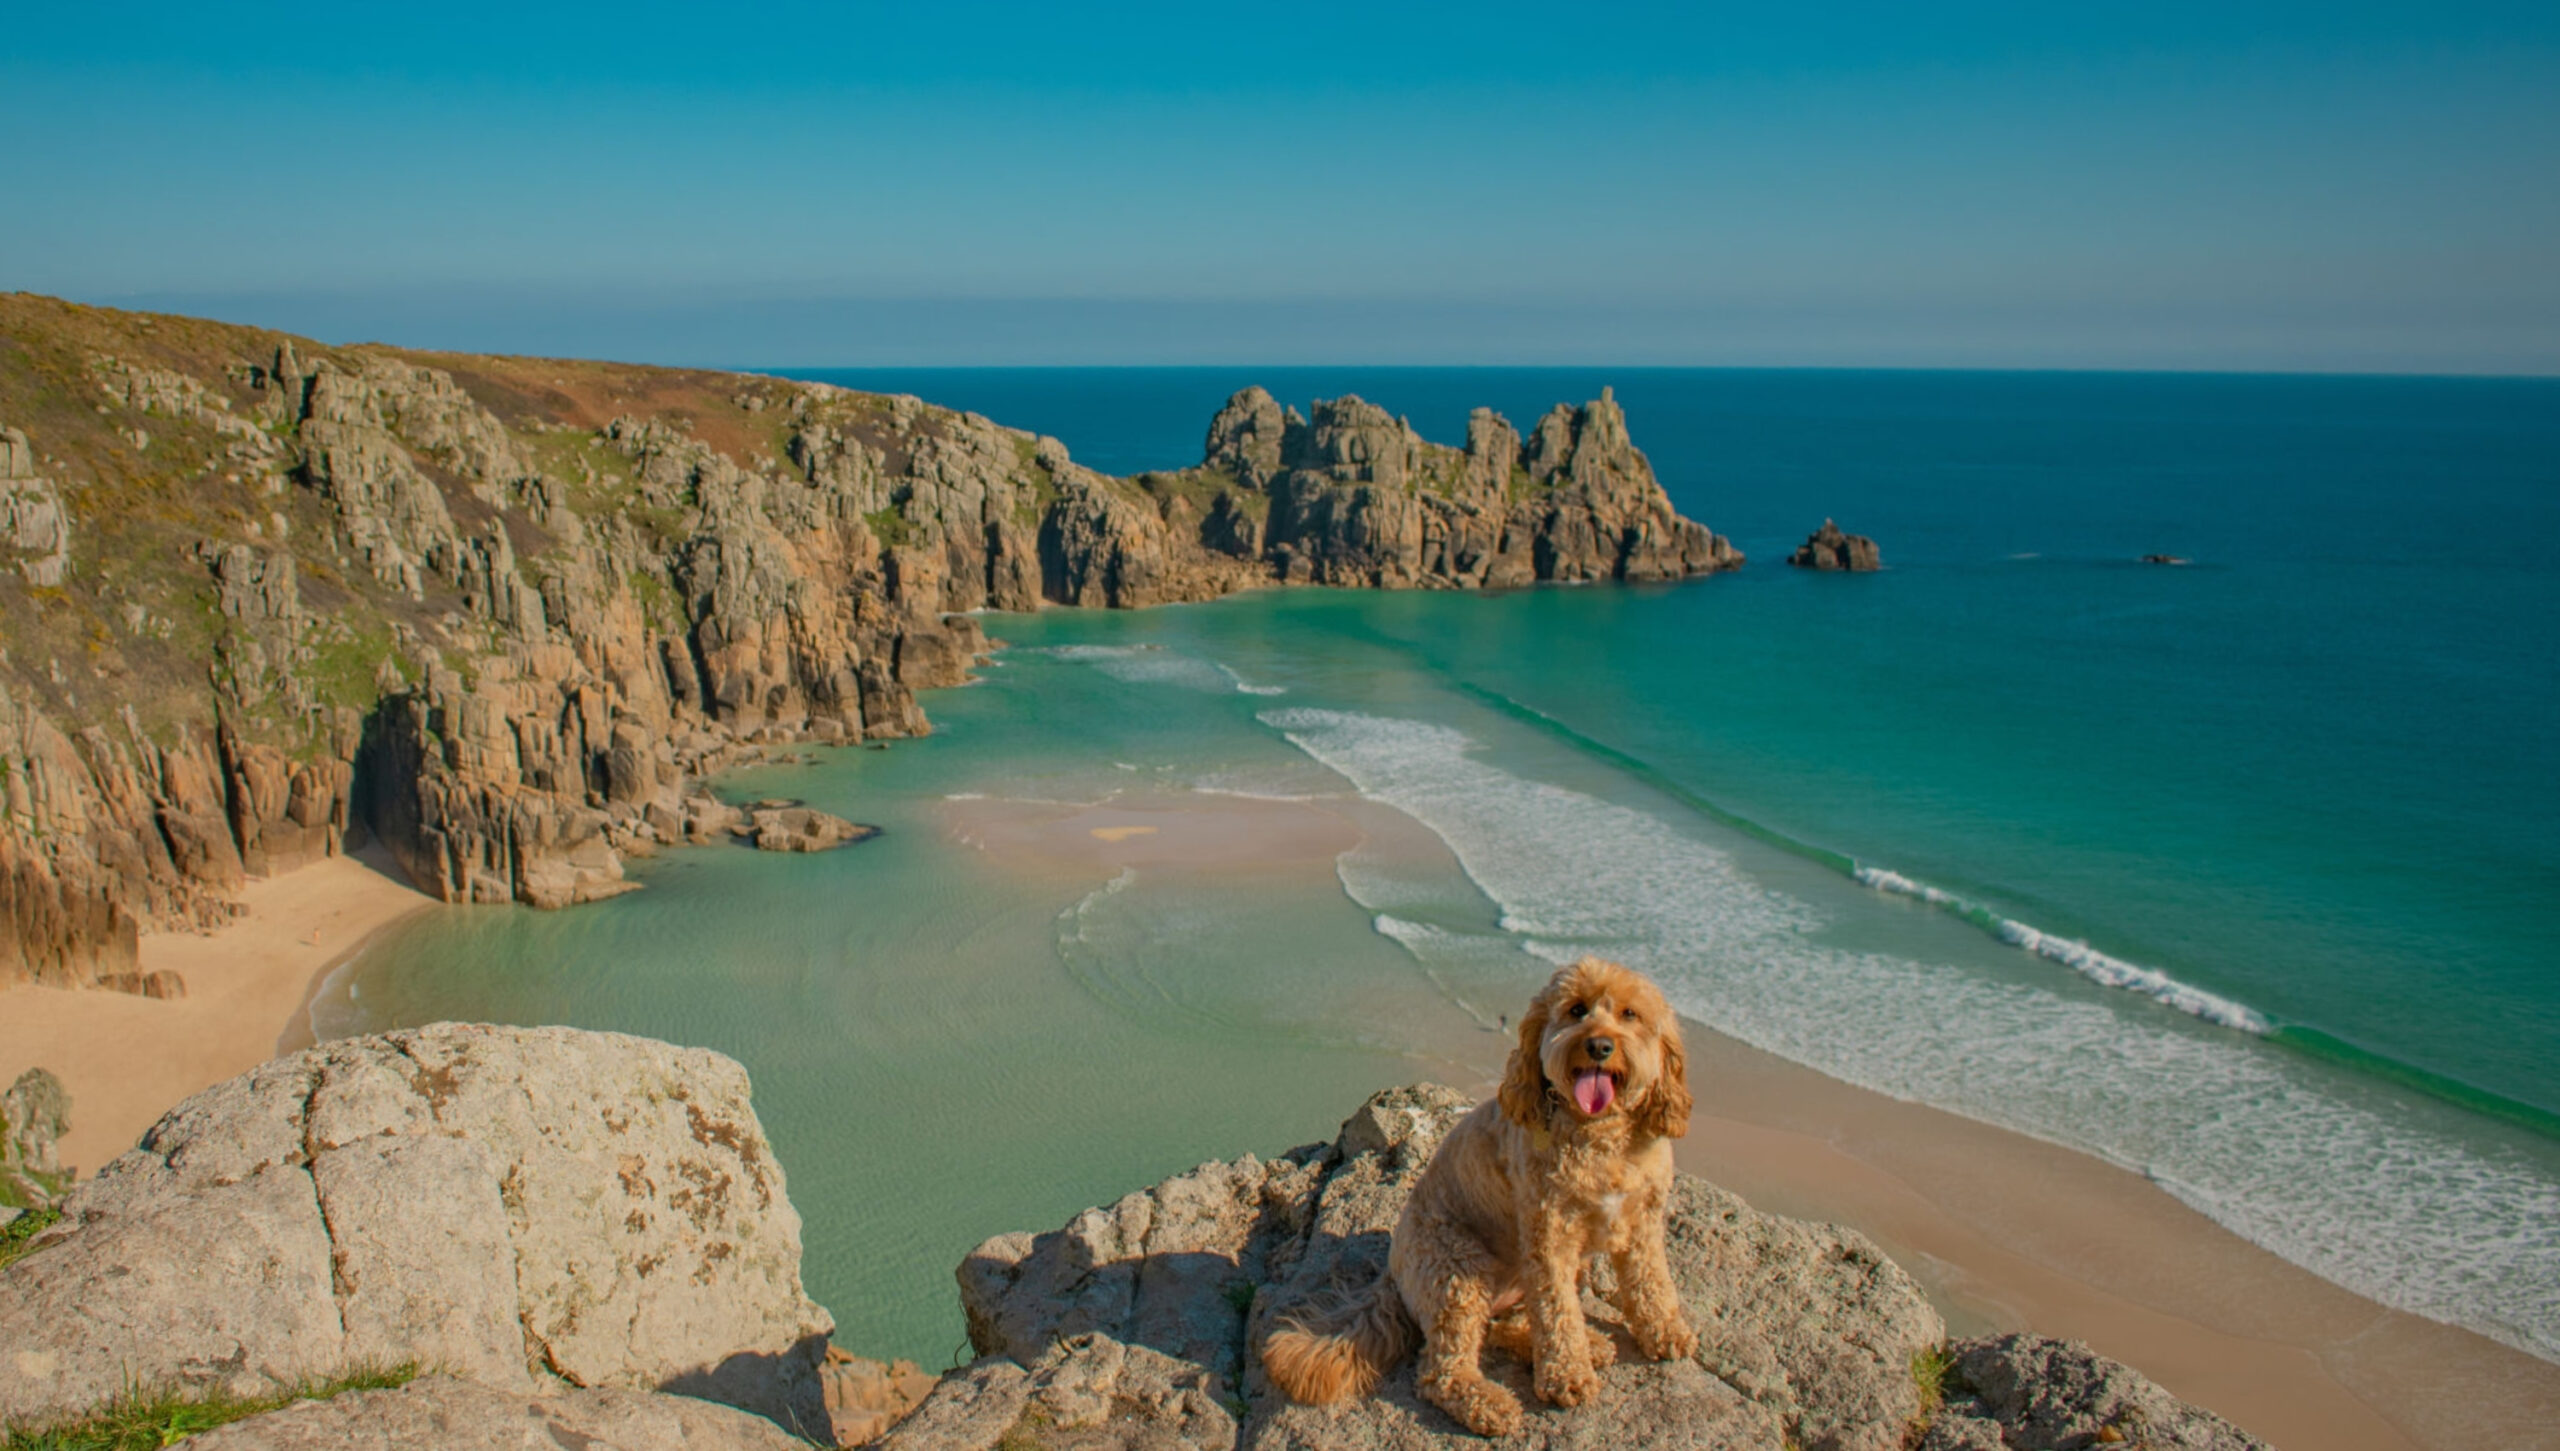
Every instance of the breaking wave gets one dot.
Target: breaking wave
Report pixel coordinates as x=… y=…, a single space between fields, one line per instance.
x=2351 y=1185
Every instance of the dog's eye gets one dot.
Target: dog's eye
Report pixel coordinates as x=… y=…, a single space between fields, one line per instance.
x=1630 y=1015
x=1580 y=1011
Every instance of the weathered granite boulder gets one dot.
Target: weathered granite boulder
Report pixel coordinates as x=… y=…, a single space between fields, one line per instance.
x=458 y=1415
x=1827 y=548
x=2030 y=1393
x=866 y=1397
x=1087 y=1393
x=527 y=1208
x=1806 y=1330
x=34 y=1115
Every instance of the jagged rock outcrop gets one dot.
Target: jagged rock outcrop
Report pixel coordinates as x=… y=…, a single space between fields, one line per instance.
x=507 y=614
x=459 y=1415
x=1357 y=497
x=2030 y=1393
x=34 y=528
x=1134 y=1324
x=1828 y=548
x=528 y=1208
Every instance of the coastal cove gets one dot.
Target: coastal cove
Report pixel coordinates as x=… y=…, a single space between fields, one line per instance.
x=1204 y=1019
x=1169 y=883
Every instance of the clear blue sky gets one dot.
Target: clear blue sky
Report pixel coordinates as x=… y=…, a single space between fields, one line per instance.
x=2048 y=184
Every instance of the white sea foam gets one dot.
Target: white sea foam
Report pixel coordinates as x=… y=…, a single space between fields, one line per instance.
x=1242 y=793
x=2355 y=1189
x=2080 y=957
x=1148 y=665
x=1247 y=687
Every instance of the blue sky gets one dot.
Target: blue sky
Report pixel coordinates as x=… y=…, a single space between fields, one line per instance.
x=2164 y=185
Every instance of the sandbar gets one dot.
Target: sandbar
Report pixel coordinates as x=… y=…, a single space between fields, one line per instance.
x=127 y=1060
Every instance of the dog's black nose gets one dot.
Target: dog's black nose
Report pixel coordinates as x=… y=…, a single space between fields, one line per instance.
x=1600 y=1049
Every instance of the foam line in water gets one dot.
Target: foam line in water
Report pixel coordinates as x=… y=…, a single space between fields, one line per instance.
x=1148 y=665
x=2080 y=957
x=2112 y=971
x=2356 y=1185
x=1247 y=687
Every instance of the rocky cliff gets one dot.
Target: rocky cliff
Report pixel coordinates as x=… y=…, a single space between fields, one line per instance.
x=263 y=597
x=588 y=1238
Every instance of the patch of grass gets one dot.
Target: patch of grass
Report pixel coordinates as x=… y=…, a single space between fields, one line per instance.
x=1933 y=1371
x=15 y=1235
x=141 y=1420
x=657 y=602
x=342 y=668
x=890 y=527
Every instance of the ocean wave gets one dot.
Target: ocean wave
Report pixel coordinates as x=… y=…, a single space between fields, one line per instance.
x=1247 y=687
x=2080 y=957
x=2359 y=1189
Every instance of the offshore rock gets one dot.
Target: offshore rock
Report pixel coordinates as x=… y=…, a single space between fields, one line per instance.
x=1806 y=1330
x=1828 y=548
x=531 y=1209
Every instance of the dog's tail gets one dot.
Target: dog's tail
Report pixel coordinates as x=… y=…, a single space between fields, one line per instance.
x=1345 y=1357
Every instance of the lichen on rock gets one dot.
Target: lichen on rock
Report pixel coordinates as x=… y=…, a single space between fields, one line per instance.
x=528 y=1208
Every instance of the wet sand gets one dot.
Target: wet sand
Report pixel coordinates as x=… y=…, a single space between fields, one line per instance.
x=2005 y=1232
x=127 y=1060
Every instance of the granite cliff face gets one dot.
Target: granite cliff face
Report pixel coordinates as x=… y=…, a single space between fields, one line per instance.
x=264 y=597
x=1356 y=497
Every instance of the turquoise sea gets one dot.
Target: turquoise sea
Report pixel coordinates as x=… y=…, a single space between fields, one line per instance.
x=2244 y=874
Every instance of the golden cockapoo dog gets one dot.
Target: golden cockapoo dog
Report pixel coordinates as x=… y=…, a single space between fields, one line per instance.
x=1572 y=1157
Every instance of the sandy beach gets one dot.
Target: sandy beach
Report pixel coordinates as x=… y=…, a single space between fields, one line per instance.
x=2004 y=1231
x=127 y=1060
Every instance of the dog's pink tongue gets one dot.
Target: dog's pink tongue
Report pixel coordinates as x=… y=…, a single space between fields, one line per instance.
x=1594 y=1091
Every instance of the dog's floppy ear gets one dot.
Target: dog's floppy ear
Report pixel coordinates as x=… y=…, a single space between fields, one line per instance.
x=1524 y=1077
x=1666 y=1109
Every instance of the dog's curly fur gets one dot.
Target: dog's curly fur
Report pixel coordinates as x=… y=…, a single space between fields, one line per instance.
x=1525 y=1188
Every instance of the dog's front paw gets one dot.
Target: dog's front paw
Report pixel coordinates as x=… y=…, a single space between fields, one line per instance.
x=1604 y=1351
x=1479 y=1405
x=1567 y=1382
x=1670 y=1339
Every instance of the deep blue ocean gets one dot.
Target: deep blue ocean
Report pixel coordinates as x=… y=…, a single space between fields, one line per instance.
x=2244 y=873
